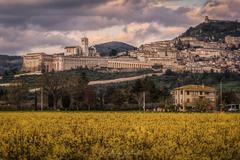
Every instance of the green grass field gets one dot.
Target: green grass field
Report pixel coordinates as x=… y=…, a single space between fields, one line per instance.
x=120 y=135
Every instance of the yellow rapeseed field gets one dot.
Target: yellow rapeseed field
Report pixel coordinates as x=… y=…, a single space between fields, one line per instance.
x=120 y=135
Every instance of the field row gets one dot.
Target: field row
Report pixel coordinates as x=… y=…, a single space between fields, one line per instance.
x=109 y=135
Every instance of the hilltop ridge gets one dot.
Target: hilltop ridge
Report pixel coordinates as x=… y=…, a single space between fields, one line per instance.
x=113 y=48
x=213 y=30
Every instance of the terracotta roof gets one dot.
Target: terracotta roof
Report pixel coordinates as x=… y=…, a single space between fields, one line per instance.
x=71 y=47
x=40 y=53
x=196 y=88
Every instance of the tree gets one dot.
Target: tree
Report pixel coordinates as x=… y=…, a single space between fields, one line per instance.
x=54 y=85
x=118 y=97
x=78 y=89
x=17 y=94
x=66 y=100
x=1 y=93
x=100 y=94
x=230 y=98
x=202 y=104
x=169 y=72
x=140 y=88
x=89 y=97
x=50 y=101
x=113 y=52
x=4 y=94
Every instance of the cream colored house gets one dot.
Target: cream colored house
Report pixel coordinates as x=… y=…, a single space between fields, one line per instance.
x=187 y=95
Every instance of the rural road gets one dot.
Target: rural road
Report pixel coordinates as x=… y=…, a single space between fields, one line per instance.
x=121 y=80
x=101 y=82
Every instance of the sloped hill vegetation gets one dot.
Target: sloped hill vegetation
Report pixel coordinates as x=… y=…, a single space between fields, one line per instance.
x=214 y=30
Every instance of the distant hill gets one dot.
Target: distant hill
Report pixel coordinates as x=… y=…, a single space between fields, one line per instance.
x=214 y=30
x=113 y=48
x=10 y=63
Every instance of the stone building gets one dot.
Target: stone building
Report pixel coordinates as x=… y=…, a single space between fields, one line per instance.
x=230 y=40
x=187 y=95
x=209 y=52
x=37 y=62
x=73 y=50
x=77 y=56
x=127 y=63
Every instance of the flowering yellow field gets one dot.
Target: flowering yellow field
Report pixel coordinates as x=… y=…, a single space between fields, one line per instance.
x=108 y=135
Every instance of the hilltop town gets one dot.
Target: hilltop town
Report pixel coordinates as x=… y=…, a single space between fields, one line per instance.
x=200 y=49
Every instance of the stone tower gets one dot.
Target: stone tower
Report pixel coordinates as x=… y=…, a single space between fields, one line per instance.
x=207 y=20
x=85 y=49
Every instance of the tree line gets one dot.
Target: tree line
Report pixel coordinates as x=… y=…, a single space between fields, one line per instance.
x=63 y=91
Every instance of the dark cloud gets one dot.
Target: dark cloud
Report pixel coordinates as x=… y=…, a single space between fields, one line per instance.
x=83 y=15
x=25 y=23
x=13 y=40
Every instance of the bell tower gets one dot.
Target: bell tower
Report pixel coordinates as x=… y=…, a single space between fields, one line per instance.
x=85 y=48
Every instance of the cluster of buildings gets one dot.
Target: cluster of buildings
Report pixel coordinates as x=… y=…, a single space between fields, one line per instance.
x=194 y=55
x=180 y=54
x=191 y=54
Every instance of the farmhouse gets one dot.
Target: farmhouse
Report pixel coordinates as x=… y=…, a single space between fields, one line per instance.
x=186 y=96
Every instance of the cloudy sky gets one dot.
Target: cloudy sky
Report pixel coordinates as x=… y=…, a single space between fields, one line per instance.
x=49 y=25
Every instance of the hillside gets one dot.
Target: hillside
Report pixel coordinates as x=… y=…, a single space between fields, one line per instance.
x=113 y=48
x=9 y=63
x=214 y=30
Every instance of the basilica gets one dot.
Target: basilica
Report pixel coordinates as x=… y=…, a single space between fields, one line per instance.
x=76 y=57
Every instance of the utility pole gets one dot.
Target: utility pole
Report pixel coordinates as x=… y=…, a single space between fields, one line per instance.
x=221 y=95
x=144 y=101
x=41 y=98
x=35 y=100
x=221 y=91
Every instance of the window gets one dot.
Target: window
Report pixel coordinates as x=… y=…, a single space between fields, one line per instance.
x=201 y=93
x=166 y=54
x=181 y=92
x=188 y=100
x=188 y=92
